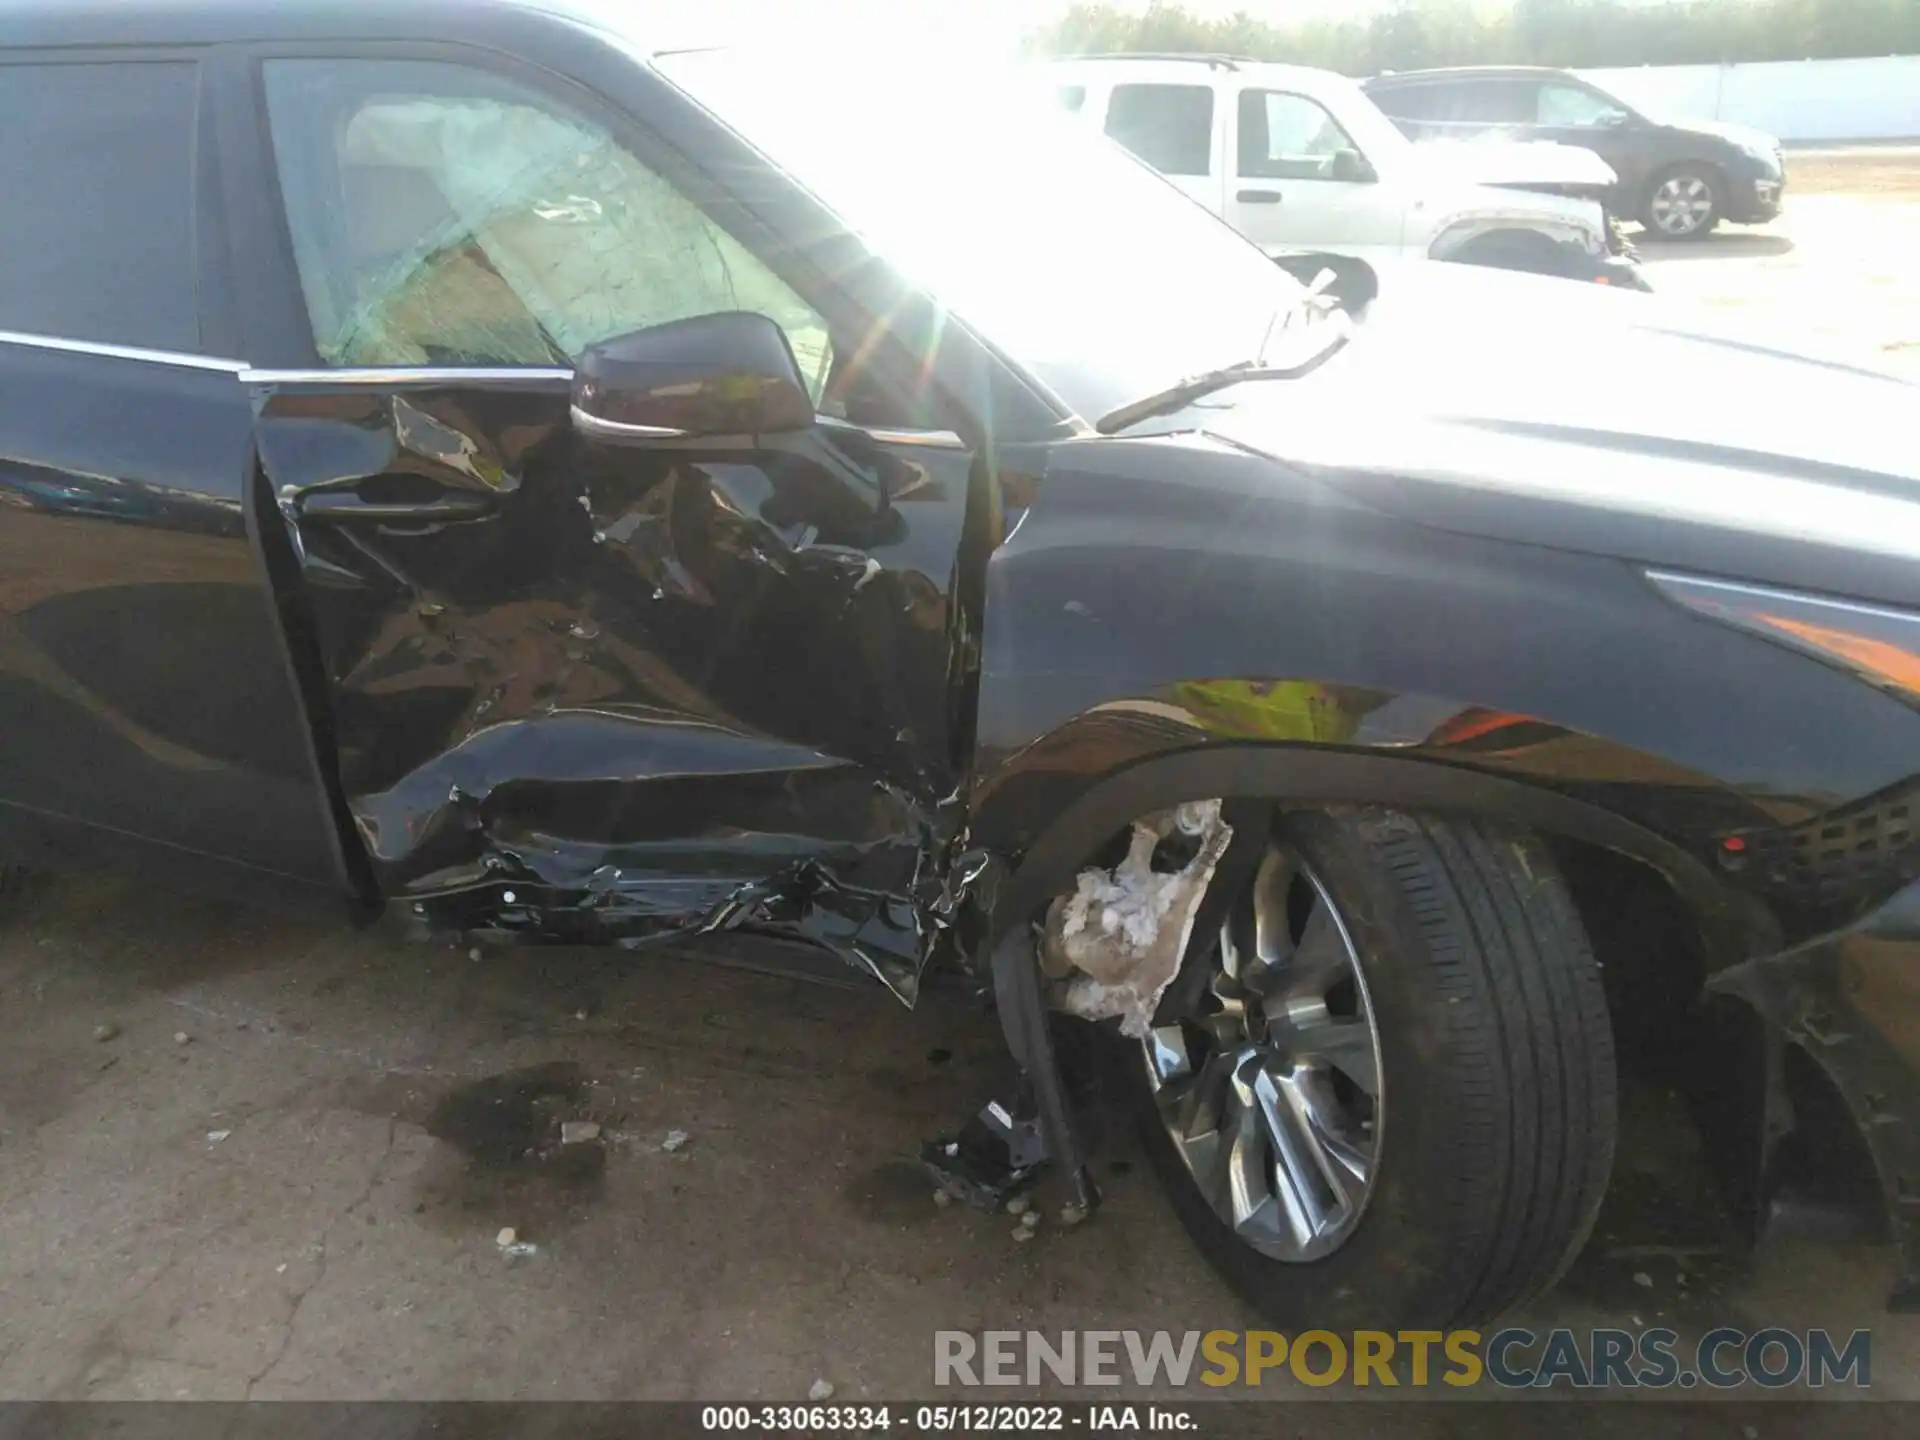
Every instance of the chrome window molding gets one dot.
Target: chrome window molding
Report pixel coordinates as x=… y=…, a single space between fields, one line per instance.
x=122 y=352
x=402 y=376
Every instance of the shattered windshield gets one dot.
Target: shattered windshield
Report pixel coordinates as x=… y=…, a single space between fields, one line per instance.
x=1056 y=246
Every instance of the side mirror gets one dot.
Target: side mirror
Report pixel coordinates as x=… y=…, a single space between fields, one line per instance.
x=1351 y=167
x=726 y=374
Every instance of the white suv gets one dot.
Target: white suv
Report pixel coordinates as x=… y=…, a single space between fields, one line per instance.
x=1299 y=159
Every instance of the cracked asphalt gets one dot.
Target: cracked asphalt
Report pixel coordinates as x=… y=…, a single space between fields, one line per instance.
x=303 y=1198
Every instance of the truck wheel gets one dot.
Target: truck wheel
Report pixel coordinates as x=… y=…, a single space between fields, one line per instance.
x=1682 y=204
x=1382 y=1094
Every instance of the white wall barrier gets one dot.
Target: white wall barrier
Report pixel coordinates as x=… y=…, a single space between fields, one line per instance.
x=1795 y=100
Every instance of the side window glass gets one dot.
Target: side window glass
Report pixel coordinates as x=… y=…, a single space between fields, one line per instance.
x=443 y=216
x=1288 y=137
x=1412 y=102
x=1503 y=102
x=96 y=227
x=1573 y=106
x=1168 y=126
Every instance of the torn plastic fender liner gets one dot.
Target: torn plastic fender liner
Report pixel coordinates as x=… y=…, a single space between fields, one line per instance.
x=1117 y=941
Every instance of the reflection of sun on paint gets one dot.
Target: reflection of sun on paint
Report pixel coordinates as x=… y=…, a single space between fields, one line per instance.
x=1881 y=659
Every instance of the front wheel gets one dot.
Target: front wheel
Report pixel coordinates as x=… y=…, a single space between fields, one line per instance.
x=1682 y=204
x=1382 y=1094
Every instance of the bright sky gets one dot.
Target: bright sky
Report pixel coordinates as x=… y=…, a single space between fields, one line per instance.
x=973 y=25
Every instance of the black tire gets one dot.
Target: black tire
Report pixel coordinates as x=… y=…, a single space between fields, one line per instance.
x=1527 y=251
x=1496 y=1080
x=1686 y=175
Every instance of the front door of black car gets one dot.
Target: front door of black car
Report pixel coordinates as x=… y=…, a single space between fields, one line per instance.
x=592 y=691
x=1572 y=114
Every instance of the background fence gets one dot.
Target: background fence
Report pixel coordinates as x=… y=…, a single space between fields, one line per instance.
x=1794 y=100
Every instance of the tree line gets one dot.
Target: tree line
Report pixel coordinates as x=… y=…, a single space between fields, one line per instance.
x=1571 y=33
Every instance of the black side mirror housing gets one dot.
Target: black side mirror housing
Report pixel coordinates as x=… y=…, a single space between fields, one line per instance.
x=1351 y=167
x=727 y=374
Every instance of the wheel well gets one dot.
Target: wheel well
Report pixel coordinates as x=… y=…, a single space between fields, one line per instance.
x=1797 y=1146
x=1732 y=927
x=1768 y=1130
x=1652 y=956
x=1516 y=248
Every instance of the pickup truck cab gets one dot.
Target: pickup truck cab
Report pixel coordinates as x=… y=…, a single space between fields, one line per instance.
x=1296 y=158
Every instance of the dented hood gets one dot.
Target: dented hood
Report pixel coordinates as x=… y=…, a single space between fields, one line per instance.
x=1519 y=164
x=1585 y=418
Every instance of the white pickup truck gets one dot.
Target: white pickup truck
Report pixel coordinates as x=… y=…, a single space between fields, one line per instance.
x=1298 y=159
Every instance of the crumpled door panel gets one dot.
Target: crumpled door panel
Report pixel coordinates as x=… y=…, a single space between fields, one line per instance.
x=610 y=694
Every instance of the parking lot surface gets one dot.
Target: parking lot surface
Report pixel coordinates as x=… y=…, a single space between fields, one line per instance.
x=246 y=1155
x=1839 y=271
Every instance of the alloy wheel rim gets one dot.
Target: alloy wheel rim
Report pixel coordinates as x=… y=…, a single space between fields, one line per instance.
x=1271 y=1089
x=1682 y=204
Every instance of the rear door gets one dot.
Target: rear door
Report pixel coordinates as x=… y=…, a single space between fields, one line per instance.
x=1178 y=129
x=584 y=691
x=1287 y=190
x=147 y=709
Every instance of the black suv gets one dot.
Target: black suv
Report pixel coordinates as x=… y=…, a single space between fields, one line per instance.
x=1679 y=178
x=458 y=460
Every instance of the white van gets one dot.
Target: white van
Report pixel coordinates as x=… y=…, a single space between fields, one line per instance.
x=1301 y=160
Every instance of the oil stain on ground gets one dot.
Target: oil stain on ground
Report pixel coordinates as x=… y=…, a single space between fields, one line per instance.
x=502 y=1163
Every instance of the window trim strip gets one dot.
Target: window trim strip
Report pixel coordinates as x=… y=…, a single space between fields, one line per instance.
x=122 y=352
x=394 y=377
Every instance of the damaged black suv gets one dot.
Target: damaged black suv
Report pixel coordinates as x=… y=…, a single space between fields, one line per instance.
x=455 y=459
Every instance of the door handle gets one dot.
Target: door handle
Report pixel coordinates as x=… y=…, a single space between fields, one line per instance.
x=350 y=507
x=1258 y=197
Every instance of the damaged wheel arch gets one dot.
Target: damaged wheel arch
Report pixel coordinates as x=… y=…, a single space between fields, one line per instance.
x=1732 y=927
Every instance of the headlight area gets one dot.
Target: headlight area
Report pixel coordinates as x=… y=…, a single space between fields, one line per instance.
x=1538 y=245
x=1875 y=643
x=1471 y=233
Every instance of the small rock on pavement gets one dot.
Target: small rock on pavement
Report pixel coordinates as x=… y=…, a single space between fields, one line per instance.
x=180 y=1037
x=820 y=1390
x=1023 y=1233
x=1750 y=1432
x=1018 y=1205
x=214 y=1137
x=578 y=1132
x=474 y=953
x=1031 y=1219
x=1643 y=1280
x=942 y=1199
x=104 y=1033
x=675 y=1140
x=512 y=1246
x=1071 y=1215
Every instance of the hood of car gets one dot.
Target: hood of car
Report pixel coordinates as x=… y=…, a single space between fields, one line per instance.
x=1744 y=137
x=1603 y=421
x=1518 y=163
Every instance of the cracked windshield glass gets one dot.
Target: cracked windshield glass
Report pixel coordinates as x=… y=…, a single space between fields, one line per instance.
x=442 y=216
